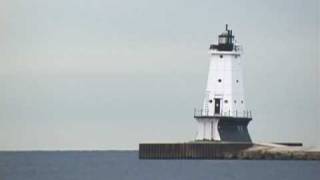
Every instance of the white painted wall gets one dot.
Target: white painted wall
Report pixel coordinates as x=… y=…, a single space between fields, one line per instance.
x=224 y=65
x=208 y=129
x=230 y=89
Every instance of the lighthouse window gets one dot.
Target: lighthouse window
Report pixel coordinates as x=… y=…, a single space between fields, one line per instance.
x=210 y=101
x=219 y=80
x=226 y=101
x=235 y=101
x=241 y=101
x=221 y=56
x=237 y=81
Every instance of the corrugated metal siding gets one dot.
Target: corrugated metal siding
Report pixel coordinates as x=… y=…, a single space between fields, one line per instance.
x=191 y=150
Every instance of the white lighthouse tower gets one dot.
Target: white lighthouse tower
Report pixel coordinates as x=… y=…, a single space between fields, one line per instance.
x=224 y=116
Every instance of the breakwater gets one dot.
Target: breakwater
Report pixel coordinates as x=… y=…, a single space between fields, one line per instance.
x=225 y=150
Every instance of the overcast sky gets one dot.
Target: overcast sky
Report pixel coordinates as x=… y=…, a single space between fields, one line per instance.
x=108 y=74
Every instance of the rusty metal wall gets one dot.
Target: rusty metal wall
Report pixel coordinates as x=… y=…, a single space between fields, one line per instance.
x=191 y=150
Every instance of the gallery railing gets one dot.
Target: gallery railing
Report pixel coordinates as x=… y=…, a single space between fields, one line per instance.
x=207 y=113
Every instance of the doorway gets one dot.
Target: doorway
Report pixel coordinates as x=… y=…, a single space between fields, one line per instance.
x=217 y=104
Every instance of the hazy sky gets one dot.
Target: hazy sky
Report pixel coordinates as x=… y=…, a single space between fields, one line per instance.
x=101 y=74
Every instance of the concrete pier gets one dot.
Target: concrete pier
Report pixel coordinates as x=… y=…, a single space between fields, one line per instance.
x=225 y=150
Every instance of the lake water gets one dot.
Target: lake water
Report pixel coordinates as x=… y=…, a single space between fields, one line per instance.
x=125 y=165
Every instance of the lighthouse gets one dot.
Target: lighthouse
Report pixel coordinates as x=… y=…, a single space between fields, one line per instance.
x=223 y=116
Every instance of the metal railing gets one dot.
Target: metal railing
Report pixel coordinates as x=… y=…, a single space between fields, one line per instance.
x=207 y=113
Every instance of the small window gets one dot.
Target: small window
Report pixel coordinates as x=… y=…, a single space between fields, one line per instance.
x=219 y=80
x=235 y=101
x=221 y=56
x=241 y=101
x=237 y=81
x=226 y=101
x=210 y=101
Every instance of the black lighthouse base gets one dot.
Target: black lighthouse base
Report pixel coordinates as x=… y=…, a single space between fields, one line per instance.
x=234 y=129
x=230 y=128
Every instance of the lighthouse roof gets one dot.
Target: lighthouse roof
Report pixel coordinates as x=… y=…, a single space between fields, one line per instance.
x=225 y=42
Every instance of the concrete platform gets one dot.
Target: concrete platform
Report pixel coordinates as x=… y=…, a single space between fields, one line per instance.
x=225 y=150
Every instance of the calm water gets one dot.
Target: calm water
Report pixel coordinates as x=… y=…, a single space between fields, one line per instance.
x=110 y=165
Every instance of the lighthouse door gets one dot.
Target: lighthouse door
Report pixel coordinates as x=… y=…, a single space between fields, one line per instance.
x=217 y=106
